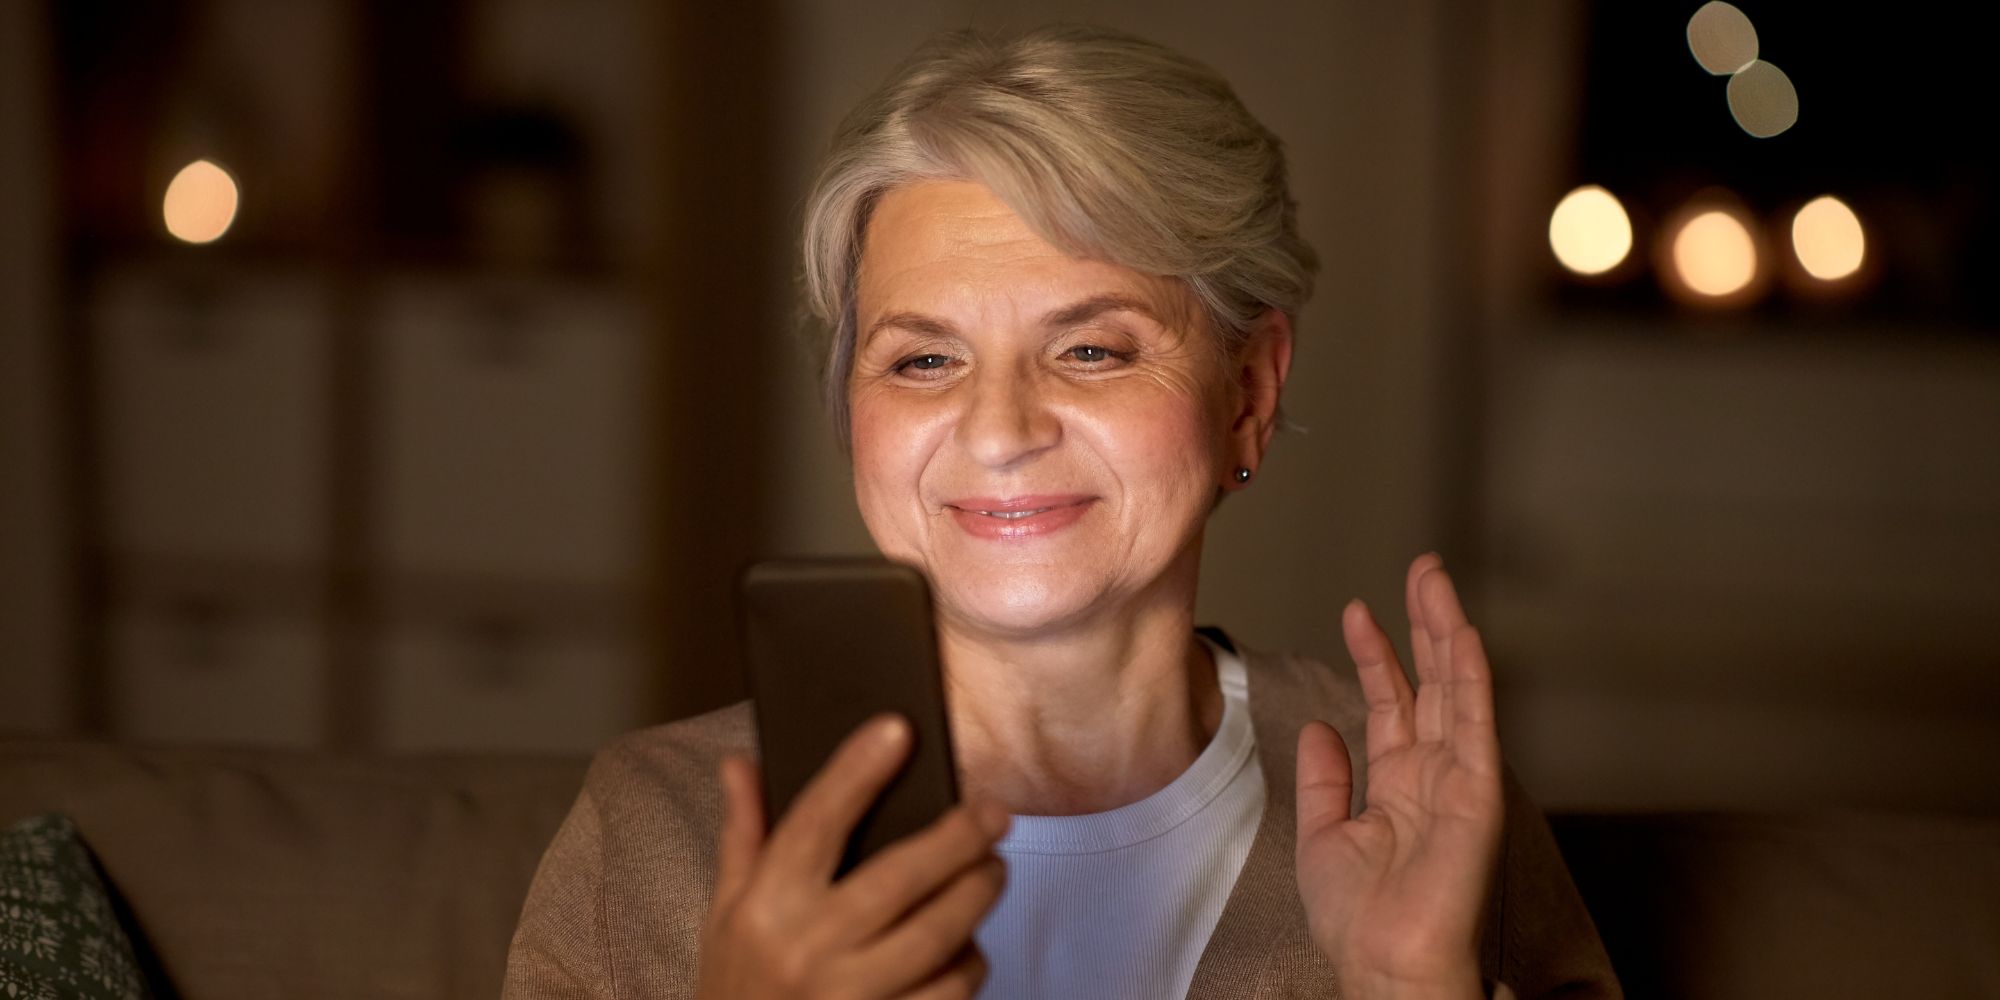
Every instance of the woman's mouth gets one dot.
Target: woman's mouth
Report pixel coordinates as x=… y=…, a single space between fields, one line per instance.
x=1017 y=517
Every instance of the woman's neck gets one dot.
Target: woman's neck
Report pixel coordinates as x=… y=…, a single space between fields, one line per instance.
x=1098 y=717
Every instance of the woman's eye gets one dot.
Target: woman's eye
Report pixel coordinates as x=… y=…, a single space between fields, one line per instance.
x=1090 y=353
x=924 y=362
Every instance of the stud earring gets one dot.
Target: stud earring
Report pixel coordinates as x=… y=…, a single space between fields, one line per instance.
x=1242 y=474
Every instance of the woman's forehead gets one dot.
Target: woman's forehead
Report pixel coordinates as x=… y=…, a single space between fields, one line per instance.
x=944 y=245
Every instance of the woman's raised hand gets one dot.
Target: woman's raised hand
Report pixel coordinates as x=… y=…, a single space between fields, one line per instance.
x=899 y=925
x=1394 y=894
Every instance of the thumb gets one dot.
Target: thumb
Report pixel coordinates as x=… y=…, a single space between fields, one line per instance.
x=1326 y=779
x=742 y=838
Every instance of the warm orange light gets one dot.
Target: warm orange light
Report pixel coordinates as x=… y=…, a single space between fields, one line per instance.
x=1589 y=230
x=1714 y=255
x=200 y=203
x=1826 y=235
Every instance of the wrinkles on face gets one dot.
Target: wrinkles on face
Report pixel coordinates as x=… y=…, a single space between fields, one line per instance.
x=990 y=365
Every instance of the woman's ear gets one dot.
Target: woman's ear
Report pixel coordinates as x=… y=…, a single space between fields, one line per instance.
x=1262 y=365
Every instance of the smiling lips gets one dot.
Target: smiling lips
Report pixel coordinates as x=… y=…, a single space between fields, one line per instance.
x=1017 y=517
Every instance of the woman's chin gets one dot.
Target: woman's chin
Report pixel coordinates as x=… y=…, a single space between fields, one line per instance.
x=1015 y=607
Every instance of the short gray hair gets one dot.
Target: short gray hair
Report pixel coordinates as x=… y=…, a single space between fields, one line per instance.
x=1108 y=146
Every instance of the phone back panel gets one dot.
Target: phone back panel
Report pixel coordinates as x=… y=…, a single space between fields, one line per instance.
x=831 y=644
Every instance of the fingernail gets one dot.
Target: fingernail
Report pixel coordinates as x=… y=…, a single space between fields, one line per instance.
x=892 y=731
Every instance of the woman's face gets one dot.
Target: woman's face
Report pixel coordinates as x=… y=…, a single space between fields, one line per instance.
x=1043 y=435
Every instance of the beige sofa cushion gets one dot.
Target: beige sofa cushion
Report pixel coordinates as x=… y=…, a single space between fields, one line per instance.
x=260 y=874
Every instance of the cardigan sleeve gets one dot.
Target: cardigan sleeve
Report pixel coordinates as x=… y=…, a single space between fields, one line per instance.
x=560 y=949
x=1543 y=943
x=616 y=908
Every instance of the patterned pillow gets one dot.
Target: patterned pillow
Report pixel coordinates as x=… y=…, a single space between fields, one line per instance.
x=58 y=935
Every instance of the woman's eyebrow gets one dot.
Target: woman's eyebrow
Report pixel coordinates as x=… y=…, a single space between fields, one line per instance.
x=1095 y=306
x=1069 y=315
x=915 y=322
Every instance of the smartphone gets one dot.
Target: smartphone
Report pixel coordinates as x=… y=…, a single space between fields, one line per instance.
x=832 y=643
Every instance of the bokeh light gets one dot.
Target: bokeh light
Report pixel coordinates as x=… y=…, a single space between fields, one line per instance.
x=1763 y=100
x=1722 y=38
x=1714 y=254
x=1827 y=237
x=1589 y=230
x=200 y=203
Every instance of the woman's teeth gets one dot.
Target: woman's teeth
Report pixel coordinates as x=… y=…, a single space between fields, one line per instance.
x=1014 y=514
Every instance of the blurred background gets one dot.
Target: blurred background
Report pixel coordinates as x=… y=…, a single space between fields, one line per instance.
x=397 y=376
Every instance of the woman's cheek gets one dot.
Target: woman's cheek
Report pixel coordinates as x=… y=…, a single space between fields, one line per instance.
x=1164 y=425
x=888 y=439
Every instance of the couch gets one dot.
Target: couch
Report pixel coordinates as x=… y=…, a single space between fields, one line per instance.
x=268 y=874
x=260 y=873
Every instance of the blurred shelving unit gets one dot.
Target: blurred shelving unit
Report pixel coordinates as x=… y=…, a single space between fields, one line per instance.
x=377 y=469
x=211 y=411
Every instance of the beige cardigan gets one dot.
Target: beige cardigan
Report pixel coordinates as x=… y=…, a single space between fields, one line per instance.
x=616 y=907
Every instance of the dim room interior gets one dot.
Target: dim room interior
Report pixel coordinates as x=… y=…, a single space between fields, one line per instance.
x=392 y=394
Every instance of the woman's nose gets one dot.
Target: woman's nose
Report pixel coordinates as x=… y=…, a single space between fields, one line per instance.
x=1006 y=420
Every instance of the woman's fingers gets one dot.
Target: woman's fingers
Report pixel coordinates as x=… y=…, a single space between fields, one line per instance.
x=1326 y=780
x=1444 y=620
x=903 y=874
x=1432 y=661
x=1455 y=700
x=742 y=837
x=1413 y=605
x=1474 y=737
x=809 y=839
x=935 y=934
x=1383 y=685
x=777 y=918
x=960 y=981
x=1443 y=614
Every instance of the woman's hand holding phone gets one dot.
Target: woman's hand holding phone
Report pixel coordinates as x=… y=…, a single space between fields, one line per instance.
x=900 y=925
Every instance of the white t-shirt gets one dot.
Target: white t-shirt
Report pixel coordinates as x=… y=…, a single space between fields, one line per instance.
x=1121 y=903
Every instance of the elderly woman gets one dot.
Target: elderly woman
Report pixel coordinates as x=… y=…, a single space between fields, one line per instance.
x=1061 y=273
